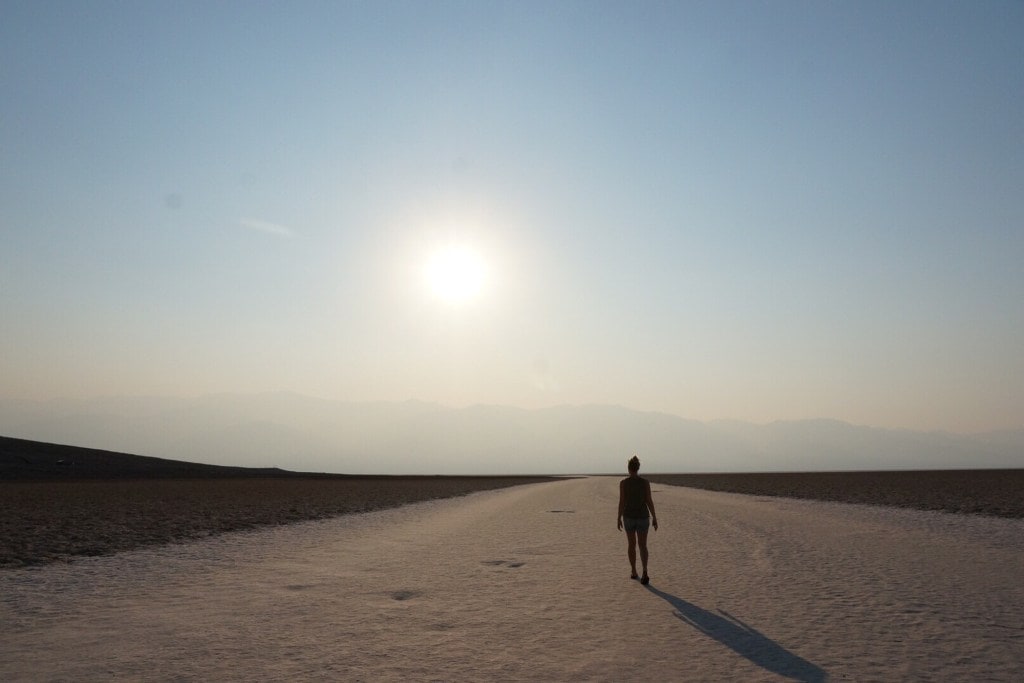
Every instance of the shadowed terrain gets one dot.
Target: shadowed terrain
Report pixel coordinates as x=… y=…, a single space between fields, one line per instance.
x=21 y=459
x=999 y=493
x=57 y=502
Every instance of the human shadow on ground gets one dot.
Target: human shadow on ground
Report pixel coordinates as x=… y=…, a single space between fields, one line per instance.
x=744 y=640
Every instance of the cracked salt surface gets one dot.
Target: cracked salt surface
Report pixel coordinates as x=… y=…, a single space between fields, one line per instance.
x=493 y=586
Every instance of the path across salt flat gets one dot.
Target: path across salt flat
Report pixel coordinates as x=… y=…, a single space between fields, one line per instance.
x=530 y=583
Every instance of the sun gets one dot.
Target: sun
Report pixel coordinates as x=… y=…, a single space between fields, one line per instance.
x=455 y=274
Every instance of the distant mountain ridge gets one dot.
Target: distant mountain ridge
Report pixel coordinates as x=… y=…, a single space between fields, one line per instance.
x=301 y=433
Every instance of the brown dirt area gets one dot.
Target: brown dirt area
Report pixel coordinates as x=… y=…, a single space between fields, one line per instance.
x=998 y=493
x=43 y=522
x=59 y=502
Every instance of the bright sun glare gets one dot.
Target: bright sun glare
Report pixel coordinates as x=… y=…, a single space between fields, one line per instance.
x=455 y=274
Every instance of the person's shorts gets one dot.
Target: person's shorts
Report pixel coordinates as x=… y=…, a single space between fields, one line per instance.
x=636 y=523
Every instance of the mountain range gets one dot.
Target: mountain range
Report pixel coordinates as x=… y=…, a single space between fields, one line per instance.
x=302 y=433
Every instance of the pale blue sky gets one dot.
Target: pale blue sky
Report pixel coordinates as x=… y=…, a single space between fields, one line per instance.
x=753 y=210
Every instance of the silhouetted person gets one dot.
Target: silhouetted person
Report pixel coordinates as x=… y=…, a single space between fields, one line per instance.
x=636 y=514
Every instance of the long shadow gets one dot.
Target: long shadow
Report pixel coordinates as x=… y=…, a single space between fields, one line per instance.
x=744 y=640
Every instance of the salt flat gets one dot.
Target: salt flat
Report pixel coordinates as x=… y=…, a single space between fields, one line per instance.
x=530 y=583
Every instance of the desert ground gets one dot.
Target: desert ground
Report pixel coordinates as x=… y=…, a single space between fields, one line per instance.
x=986 y=492
x=530 y=583
x=61 y=502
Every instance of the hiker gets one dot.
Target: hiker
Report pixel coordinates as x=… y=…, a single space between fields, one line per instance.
x=636 y=514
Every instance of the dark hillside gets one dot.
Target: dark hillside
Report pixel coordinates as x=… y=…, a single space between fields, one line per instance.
x=22 y=460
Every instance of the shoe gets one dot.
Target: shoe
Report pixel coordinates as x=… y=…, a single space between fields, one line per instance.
x=644 y=580
x=634 y=577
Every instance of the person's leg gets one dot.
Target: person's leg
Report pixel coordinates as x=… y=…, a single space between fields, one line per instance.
x=641 y=537
x=631 y=551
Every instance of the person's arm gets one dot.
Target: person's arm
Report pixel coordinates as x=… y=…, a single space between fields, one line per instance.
x=622 y=503
x=650 y=506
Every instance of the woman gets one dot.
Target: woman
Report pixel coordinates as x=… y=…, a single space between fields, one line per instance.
x=636 y=514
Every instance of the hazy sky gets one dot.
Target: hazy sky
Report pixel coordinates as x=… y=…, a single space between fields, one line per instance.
x=753 y=210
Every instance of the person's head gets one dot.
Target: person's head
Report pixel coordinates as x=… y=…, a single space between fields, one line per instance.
x=633 y=464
